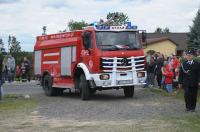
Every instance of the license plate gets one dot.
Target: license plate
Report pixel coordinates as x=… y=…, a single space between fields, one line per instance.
x=125 y=82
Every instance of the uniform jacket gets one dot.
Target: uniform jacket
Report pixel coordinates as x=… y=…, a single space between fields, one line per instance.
x=189 y=74
x=1 y=66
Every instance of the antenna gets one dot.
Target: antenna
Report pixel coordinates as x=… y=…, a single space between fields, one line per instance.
x=44 y=30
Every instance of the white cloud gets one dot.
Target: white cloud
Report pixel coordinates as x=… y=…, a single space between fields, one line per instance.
x=25 y=18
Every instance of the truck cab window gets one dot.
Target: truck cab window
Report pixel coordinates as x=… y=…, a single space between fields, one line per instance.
x=91 y=41
x=88 y=41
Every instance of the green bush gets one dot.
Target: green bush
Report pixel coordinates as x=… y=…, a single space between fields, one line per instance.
x=195 y=58
x=20 y=56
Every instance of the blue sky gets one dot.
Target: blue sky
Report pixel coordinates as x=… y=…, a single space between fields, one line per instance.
x=25 y=18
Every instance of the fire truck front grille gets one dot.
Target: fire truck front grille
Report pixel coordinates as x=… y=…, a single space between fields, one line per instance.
x=122 y=64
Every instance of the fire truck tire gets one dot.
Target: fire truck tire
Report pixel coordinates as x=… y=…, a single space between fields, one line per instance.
x=47 y=86
x=129 y=91
x=84 y=87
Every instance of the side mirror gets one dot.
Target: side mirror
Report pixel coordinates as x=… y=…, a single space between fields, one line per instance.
x=86 y=39
x=86 y=34
x=144 y=37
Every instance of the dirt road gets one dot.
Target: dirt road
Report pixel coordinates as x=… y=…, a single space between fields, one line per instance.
x=106 y=111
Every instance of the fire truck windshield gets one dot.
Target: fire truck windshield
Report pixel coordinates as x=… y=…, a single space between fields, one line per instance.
x=125 y=40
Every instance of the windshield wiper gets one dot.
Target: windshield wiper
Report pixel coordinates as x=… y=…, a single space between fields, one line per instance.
x=113 y=47
x=127 y=47
x=132 y=48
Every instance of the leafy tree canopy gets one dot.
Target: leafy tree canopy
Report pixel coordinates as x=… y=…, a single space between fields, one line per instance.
x=117 y=18
x=14 y=45
x=160 y=30
x=194 y=35
x=75 y=25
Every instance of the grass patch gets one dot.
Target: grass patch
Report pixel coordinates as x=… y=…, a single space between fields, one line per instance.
x=178 y=94
x=14 y=103
x=188 y=123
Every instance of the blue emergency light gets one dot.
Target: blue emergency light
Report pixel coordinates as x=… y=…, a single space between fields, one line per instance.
x=94 y=23
x=129 y=26
x=105 y=27
x=102 y=27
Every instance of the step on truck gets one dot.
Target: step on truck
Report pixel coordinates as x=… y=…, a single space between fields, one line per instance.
x=99 y=57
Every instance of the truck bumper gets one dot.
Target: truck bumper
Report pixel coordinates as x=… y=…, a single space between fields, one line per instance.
x=119 y=79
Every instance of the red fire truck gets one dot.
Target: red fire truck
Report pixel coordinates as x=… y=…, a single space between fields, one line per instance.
x=99 y=57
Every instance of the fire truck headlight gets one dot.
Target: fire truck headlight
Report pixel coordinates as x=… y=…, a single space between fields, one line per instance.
x=140 y=74
x=104 y=76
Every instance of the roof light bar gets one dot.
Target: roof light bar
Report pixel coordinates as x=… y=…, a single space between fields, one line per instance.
x=105 y=27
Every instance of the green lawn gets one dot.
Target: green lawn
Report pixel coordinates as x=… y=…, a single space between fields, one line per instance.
x=178 y=94
x=15 y=103
x=190 y=122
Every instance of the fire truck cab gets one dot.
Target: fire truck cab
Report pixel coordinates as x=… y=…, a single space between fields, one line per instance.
x=99 y=57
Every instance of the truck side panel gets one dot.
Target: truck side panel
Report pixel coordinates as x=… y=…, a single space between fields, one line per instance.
x=37 y=62
x=60 y=62
x=51 y=61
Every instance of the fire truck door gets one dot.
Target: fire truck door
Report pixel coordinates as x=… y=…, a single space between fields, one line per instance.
x=66 y=61
x=91 y=51
x=37 y=64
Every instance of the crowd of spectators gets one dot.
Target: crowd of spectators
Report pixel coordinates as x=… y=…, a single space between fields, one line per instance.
x=12 y=72
x=162 y=72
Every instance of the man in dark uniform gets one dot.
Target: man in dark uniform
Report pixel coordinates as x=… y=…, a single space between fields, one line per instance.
x=1 y=65
x=189 y=79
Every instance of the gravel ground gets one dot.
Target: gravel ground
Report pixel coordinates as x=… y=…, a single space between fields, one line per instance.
x=105 y=106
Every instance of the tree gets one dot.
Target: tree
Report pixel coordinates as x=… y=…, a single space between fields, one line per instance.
x=9 y=41
x=151 y=52
x=166 y=30
x=75 y=25
x=2 y=49
x=194 y=35
x=158 y=30
x=1 y=43
x=14 y=45
x=117 y=18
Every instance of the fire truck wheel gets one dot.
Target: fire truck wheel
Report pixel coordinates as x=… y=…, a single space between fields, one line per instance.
x=129 y=91
x=84 y=87
x=47 y=86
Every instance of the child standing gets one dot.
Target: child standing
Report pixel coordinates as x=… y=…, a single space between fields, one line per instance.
x=23 y=72
x=18 y=73
x=168 y=74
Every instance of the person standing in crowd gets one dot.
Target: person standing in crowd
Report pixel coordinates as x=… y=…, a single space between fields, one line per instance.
x=164 y=68
x=159 y=63
x=11 y=68
x=18 y=73
x=1 y=82
x=5 y=69
x=27 y=65
x=175 y=67
x=175 y=62
x=23 y=72
x=189 y=79
x=150 y=72
x=168 y=75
